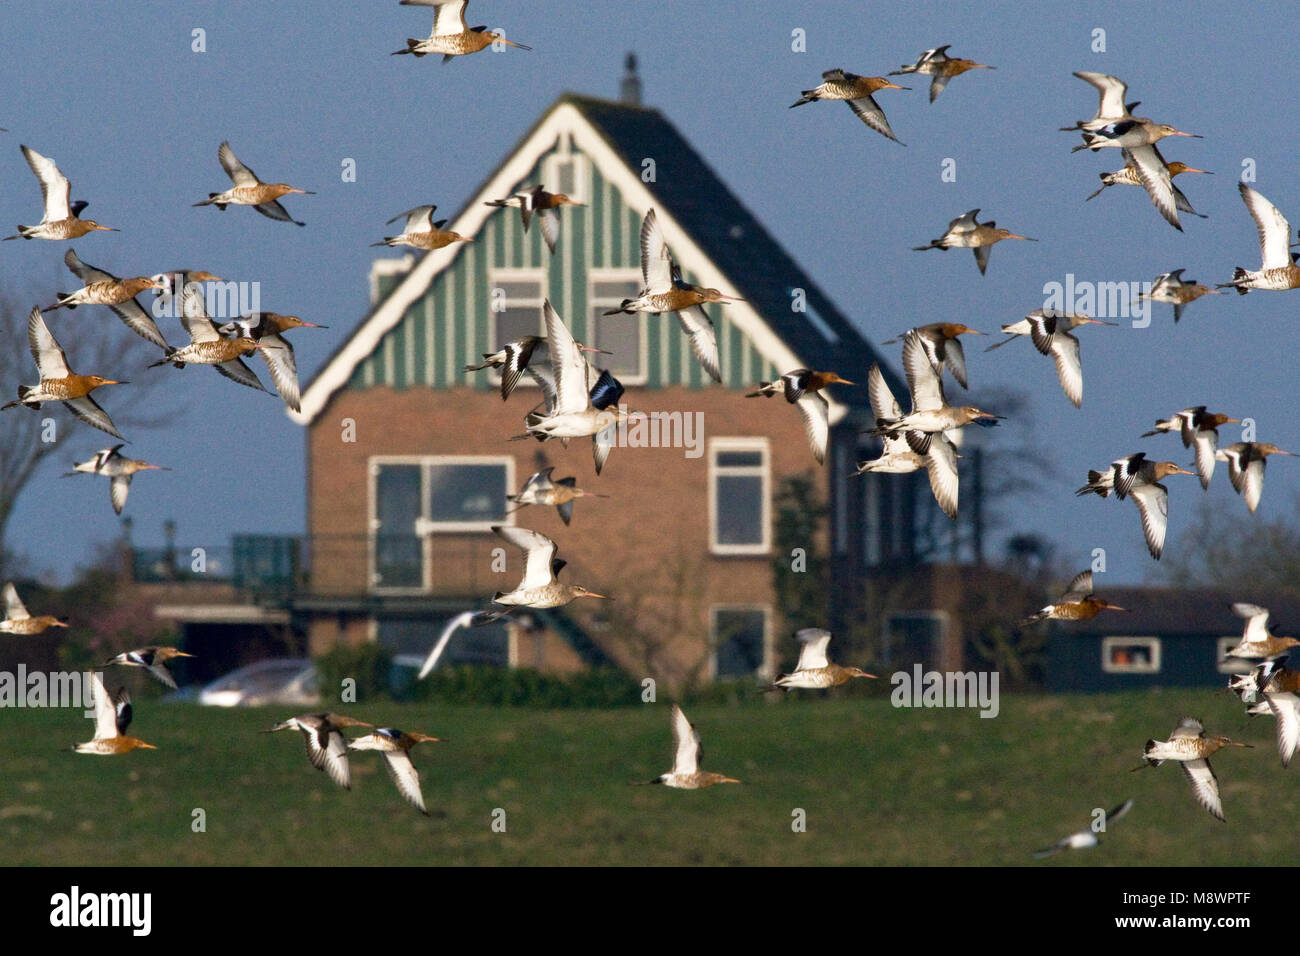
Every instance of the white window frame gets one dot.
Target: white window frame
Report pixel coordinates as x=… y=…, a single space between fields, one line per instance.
x=602 y=302
x=1230 y=665
x=497 y=276
x=425 y=528
x=581 y=174
x=766 y=670
x=1152 y=643
x=758 y=444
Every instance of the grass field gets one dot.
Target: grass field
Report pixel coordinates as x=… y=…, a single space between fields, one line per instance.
x=879 y=785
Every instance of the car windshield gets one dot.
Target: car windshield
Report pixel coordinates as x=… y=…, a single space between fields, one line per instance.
x=262 y=679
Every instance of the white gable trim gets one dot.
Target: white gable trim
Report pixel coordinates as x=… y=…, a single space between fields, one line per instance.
x=564 y=120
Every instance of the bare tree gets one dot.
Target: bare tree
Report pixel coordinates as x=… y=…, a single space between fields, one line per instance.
x=1224 y=546
x=96 y=343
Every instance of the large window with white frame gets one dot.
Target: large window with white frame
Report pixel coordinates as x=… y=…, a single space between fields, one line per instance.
x=1130 y=655
x=623 y=336
x=740 y=637
x=413 y=497
x=740 y=506
x=515 y=305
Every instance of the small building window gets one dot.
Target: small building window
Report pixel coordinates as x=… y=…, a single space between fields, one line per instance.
x=398 y=552
x=740 y=641
x=624 y=336
x=1230 y=665
x=568 y=173
x=515 y=305
x=1130 y=655
x=739 y=496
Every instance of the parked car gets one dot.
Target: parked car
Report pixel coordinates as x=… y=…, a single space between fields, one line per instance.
x=291 y=682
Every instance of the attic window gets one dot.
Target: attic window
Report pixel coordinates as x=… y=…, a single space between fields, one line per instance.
x=567 y=173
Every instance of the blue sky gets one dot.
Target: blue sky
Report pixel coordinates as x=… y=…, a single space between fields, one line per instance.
x=134 y=117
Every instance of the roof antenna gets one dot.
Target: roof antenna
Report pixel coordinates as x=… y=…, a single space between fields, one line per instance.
x=630 y=88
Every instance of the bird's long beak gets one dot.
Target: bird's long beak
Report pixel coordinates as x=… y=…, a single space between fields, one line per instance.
x=1115 y=607
x=592 y=348
x=501 y=39
x=109 y=381
x=1179 y=132
x=1099 y=322
x=1026 y=238
x=183 y=654
x=892 y=86
x=108 y=229
x=1205 y=171
x=302 y=192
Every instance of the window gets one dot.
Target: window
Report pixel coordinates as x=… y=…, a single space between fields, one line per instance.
x=1230 y=665
x=398 y=551
x=622 y=335
x=568 y=173
x=517 y=296
x=413 y=497
x=739 y=496
x=740 y=641
x=410 y=639
x=1130 y=655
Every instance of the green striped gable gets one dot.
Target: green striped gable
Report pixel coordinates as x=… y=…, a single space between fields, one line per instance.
x=451 y=325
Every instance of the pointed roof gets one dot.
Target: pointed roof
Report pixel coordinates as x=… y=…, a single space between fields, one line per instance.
x=709 y=230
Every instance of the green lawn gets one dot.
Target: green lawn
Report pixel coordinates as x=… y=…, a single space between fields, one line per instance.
x=879 y=786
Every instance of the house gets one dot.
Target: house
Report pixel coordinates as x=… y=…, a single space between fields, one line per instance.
x=1167 y=638
x=409 y=459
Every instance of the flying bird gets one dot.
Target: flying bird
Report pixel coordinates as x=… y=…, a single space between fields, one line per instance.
x=1192 y=749
x=60 y=220
x=267 y=330
x=17 y=620
x=1136 y=477
x=248 y=190
x=537 y=201
x=153 y=659
x=856 y=91
x=1277 y=270
x=942 y=67
x=112 y=464
x=208 y=346
x=1172 y=288
x=1246 y=461
x=396 y=746
x=943 y=346
x=664 y=291
x=1048 y=330
x=1131 y=175
x=450 y=36
x=327 y=748
x=464 y=619
x=559 y=493
x=686 y=773
x=1087 y=837
x=112 y=717
x=965 y=233
x=1257 y=641
x=59 y=383
x=1199 y=429
x=538 y=588
x=802 y=388
x=421 y=232
x=814 y=670
x=898 y=458
x=1077 y=604
x=103 y=288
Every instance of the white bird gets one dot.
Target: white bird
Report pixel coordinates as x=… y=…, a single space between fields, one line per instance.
x=814 y=670
x=327 y=748
x=464 y=619
x=1191 y=748
x=664 y=290
x=1246 y=461
x=898 y=458
x=1277 y=270
x=538 y=588
x=1087 y=837
x=248 y=190
x=1047 y=329
x=60 y=219
x=686 y=773
x=1199 y=429
x=111 y=463
x=396 y=746
x=1257 y=641
x=1110 y=106
x=112 y=717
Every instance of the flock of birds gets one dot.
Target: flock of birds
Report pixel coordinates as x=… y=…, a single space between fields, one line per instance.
x=580 y=400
